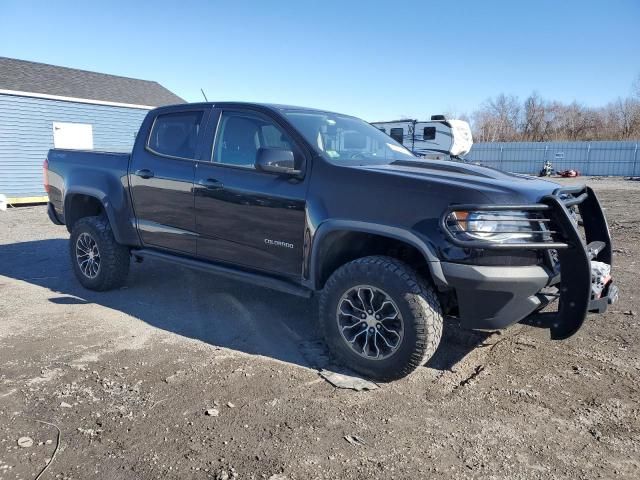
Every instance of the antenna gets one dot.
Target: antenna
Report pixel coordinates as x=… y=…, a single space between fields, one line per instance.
x=203 y=94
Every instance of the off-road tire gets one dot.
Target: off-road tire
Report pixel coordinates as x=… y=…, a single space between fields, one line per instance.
x=114 y=258
x=416 y=300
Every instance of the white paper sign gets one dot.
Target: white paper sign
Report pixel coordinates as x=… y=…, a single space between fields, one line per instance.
x=76 y=136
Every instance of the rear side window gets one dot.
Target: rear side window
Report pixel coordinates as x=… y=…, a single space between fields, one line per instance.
x=176 y=134
x=397 y=134
x=429 y=133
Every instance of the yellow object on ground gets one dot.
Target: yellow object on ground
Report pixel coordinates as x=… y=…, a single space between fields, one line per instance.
x=23 y=200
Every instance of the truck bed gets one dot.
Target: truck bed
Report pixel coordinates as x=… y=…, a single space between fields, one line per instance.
x=99 y=175
x=66 y=167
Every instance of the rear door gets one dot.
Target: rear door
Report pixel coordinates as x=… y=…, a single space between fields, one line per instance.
x=245 y=216
x=161 y=179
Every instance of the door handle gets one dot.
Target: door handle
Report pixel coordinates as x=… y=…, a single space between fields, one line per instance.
x=211 y=184
x=144 y=173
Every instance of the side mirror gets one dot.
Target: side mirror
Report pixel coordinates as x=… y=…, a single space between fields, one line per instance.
x=276 y=160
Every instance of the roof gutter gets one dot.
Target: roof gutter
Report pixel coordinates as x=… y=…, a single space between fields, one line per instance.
x=74 y=99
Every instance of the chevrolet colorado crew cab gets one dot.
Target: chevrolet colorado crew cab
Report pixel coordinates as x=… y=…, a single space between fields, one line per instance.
x=306 y=201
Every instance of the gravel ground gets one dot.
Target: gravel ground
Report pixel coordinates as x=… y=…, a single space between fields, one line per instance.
x=128 y=375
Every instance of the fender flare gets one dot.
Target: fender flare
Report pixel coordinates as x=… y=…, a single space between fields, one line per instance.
x=101 y=197
x=407 y=236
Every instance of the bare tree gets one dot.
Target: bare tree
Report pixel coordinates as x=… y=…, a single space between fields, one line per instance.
x=623 y=118
x=506 y=110
x=484 y=127
x=503 y=119
x=537 y=119
x=576 y=122
x=498 y=118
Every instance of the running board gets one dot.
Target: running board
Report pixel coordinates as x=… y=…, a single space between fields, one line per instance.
x=254 y=278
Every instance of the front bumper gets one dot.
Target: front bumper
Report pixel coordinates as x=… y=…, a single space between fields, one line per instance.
x=495 y=297
x=490 y=297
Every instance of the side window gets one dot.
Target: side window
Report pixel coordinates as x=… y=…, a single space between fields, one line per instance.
x=241 y=135
x=429 y=133
x=176 y=134
x=397 y=134
x=273 y=137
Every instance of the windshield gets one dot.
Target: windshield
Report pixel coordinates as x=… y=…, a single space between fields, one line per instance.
x=347 y=140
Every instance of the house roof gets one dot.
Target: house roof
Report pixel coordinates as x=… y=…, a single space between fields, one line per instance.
x=41 y=79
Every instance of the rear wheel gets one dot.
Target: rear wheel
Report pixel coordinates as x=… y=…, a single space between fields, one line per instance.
x=379 y=318
x=99 y=262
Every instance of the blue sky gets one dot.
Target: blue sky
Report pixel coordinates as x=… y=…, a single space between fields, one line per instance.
x=377 y=60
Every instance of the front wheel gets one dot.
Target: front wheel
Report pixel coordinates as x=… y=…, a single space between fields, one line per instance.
x=99 y=262
x=379 y=318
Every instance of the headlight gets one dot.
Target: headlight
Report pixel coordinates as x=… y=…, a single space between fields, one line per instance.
x=495 y=226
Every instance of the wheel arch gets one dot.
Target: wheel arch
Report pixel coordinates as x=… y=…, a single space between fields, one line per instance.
x=337 y=242
x=86 y=202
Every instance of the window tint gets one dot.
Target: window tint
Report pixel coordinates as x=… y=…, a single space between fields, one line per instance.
x=241 y=135
x=272 y=137
x=354 y=141
x=397 y=134
x=341 y=139
x=429 y=133
x=176 y=134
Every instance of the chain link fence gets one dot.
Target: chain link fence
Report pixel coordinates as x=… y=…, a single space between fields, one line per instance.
x=589 y=158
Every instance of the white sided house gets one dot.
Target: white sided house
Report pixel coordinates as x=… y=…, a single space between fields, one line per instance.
x=438 y=138
x=45 y=106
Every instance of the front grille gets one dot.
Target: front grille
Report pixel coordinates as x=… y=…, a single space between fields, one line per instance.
x=507 y=258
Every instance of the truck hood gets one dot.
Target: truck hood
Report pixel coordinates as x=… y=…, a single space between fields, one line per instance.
x=498 y=186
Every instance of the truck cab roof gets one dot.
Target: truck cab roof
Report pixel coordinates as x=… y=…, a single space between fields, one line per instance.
x=276 y=107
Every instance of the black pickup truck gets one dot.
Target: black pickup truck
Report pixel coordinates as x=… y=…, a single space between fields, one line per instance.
x=307 y=201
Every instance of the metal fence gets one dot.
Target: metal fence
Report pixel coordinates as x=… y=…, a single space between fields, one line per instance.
x=589 y=158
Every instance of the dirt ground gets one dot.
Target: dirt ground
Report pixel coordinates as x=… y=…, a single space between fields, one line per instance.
x=128 y=375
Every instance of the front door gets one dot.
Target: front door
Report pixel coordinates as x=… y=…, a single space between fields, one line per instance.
x=161 y=176
x=245 y=216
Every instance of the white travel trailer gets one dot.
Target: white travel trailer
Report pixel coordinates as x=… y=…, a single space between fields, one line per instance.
x=438 y=139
